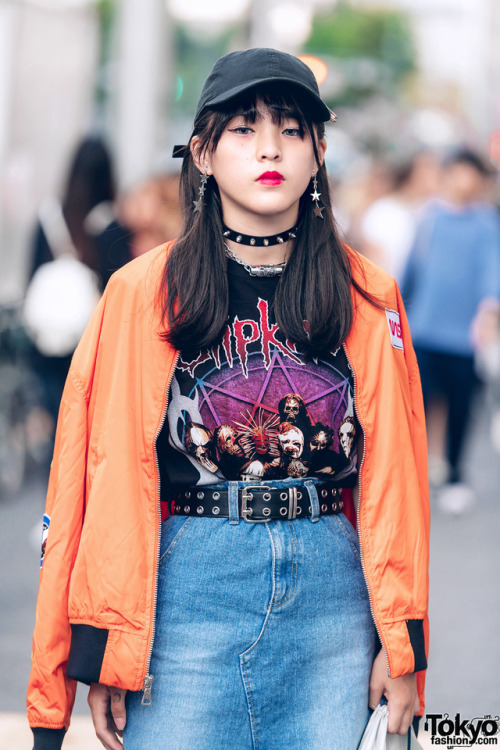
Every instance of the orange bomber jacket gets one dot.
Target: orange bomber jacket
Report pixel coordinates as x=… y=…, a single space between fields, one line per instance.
x=96 y=604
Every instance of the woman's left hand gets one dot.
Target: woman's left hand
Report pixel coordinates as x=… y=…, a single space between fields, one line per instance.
x=401 y=694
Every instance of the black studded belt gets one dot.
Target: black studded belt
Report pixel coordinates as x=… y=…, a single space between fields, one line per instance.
x=257 y=503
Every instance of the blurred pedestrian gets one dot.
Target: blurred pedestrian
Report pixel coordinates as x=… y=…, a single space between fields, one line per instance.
x=83 y=230
x=89 y=211
x=369 y=180
x=453 y=274
x=487 y=358
x=152 y=212
x=388 y=226
x=228 y=384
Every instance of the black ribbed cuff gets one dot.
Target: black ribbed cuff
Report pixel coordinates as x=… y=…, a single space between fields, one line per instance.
x=417 y=640
x=86 y=653
x=48 y=739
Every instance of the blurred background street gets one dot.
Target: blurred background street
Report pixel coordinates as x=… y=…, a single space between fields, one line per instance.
x=94 y=94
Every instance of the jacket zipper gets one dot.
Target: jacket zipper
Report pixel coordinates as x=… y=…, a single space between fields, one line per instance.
x=149 y=678
x=359 y=505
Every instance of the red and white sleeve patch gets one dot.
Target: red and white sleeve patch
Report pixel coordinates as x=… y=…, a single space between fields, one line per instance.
x=395 y=329
x=45 y=533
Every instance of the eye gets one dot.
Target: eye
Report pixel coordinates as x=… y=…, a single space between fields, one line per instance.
x=293 y=132
x=241 y=130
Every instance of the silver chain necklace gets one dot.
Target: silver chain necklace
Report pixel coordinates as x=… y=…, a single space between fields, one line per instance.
x=266 y=270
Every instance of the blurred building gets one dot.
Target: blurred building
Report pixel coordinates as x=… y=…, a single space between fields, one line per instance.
x=51 y=66
x=48 y=66
x=458 y=44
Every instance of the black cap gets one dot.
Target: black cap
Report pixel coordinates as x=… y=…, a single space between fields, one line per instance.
x=242 y=70
x=239 y=71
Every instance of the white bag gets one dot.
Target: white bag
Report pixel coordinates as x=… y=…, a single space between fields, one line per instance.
x=62 y=294
x=375 y=736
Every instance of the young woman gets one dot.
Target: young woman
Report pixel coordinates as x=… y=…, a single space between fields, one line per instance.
x=233 y=391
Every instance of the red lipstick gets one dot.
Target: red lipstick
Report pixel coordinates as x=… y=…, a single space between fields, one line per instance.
x=271 y=178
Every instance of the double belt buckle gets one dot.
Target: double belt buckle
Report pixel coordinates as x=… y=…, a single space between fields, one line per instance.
x=247 y=496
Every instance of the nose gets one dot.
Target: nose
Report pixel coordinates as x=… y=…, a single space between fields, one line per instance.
x=268 y=145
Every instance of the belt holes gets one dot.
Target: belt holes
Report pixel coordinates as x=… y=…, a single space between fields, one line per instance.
x=200 y=509
x=215 y=495
x=324 y=507
x=249 y=496
x=299 y=495
x=216 y=510
x=283 y=511
x=299 y=510
x=187 y=495
x=266 y=496
x=266 y=511
x=334 y=491
x=200 y=495
x=340 y=490
x=334 y=506
x=284 y=495
x=324 y=493
x=177 y=508
x=187 y=508
x=341 y=504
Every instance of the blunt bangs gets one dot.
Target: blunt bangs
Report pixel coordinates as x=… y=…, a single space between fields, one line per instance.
x=252 y=106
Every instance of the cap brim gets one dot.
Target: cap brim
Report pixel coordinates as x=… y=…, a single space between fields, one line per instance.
x=321 y=111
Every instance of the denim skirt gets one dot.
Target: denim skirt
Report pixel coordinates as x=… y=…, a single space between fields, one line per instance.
x=264 y=637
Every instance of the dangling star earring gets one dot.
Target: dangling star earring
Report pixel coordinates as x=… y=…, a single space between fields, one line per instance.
x=201 y=190
x=317 y=211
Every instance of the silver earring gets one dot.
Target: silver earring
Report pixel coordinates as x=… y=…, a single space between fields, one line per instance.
x=201 y=190
x=317 y=211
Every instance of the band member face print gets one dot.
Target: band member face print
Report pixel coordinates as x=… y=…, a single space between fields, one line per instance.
x=347 y=434
x=227 y=441
x=292 y=409
x=291 y=440
x=321 y=438
x=253 y=410
x=199 y=443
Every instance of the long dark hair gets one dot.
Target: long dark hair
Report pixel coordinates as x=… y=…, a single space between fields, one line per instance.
x=316 y=283
x=90 y=182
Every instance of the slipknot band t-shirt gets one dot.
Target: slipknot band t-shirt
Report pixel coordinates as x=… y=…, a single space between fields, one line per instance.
x=252 y=409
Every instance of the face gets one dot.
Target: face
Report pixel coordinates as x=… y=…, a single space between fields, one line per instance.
x=292 y=442
x=261 y=168
x=261 y=441
x=198 y=442
x=227 y=441
x=254 y=471
x=346 y=434
x=291 y=408
x=319 y=441
x=463 y=183
x=426 y=174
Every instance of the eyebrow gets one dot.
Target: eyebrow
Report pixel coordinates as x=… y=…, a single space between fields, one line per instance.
x=278 y=114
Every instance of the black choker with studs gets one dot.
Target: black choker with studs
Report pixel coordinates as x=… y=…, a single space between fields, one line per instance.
x=247 y=239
